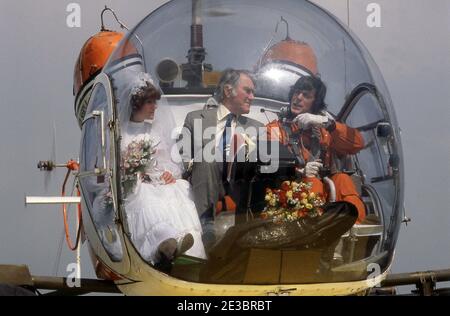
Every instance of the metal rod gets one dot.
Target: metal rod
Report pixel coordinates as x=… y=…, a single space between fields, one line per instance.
x=87 y=285
x=115 y=17
x=416 y=277
x=102 y=124
x=52 y=200
x=348 y=13
x=196 y=12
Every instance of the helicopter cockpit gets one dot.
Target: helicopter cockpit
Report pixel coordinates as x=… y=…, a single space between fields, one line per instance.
x=184 y=47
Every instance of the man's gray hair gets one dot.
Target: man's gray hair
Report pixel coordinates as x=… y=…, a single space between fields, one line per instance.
x=230 y=76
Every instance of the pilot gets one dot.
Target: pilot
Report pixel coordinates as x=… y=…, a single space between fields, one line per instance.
x=318 y=140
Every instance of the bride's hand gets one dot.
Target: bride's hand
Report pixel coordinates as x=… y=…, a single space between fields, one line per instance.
x=167 y=177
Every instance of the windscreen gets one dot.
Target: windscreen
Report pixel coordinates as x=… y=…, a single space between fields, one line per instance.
x=266 y=195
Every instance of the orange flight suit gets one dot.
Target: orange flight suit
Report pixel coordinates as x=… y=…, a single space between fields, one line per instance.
x=341 y=141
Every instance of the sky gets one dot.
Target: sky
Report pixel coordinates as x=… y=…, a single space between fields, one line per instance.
x=411 y=47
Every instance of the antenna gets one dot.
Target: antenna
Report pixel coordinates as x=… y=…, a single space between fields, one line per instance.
x=348 y=13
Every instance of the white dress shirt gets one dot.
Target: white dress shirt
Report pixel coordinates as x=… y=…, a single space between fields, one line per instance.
x=222 y=113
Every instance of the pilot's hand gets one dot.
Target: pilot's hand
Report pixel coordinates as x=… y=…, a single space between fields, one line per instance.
x=307 y=120
x=312 y=169
x=167 y=177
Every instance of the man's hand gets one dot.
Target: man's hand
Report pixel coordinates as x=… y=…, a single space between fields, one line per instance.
x=312 y=169
x=167 y=177
x=307 y=120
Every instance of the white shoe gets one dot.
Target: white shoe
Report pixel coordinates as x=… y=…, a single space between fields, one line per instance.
x=171 y=248
x=184 y=244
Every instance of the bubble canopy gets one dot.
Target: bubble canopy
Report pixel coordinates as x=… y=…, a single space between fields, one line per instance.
x=238 y=34
x=186 y=45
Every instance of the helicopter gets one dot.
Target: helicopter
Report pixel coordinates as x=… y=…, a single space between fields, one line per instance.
x=359 y=98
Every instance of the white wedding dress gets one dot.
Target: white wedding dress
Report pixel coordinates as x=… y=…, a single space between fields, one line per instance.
x=157 y=211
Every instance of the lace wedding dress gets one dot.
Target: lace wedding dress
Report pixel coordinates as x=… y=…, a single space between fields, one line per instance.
x=157 y=211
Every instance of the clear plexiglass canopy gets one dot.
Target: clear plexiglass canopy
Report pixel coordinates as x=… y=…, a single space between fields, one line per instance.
x=185 y=46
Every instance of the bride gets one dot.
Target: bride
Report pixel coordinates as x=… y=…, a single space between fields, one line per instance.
x=161 y=214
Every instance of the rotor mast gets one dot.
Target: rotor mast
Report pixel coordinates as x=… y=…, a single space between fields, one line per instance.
x=197 y=52
x=193 y=69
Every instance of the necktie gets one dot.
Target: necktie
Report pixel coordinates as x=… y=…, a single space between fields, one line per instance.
x=226 y=136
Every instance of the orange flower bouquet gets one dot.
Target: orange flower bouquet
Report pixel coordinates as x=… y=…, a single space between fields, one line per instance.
x=294 y=200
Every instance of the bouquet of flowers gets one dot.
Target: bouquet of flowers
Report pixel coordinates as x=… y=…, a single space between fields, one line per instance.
x=136 y=158
x=294 y=200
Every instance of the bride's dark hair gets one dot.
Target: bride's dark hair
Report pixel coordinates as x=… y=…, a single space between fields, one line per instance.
x=144 y=94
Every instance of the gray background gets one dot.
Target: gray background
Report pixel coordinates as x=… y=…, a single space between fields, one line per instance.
x=412 y=49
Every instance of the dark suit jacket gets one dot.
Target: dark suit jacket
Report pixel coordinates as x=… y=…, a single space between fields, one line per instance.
x=205 y=177
x=208 y=119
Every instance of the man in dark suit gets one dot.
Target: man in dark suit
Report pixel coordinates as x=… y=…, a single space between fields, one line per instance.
x=210 y=132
